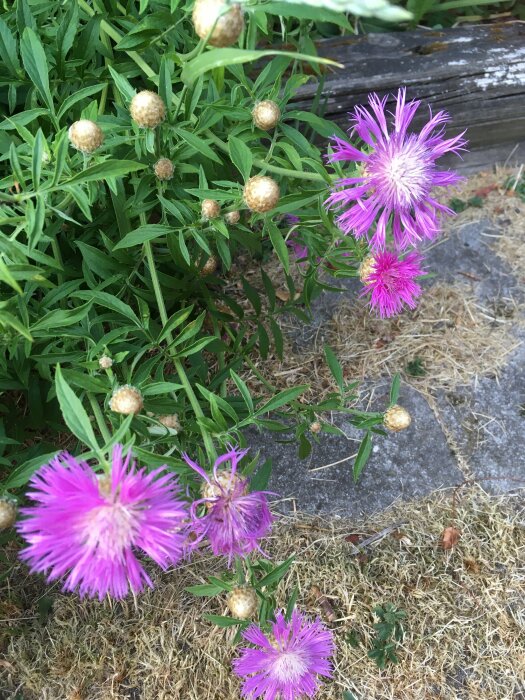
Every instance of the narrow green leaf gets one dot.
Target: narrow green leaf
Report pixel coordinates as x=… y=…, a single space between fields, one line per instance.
x=7 y=319
x=21 y=474
x=279 y=246
x=362 y=456
x=123 y=86
x=282 y=398
x=216 y=58
x=140 y=235
x=8 y=50
x=276 y=575
x=77 y=96
x=198 y=144
x=75 y=417
x=243 y=389
x=394 y=389
x=335 y=367
x=241 y=156
x=8 y=278
x=36 y=66
x=205 y=589
x=102 y=171
x=110 y=302
x=36 y=163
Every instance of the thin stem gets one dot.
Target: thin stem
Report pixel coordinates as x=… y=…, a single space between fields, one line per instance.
x=208 y=442
x=99 y=418
x=314 y=177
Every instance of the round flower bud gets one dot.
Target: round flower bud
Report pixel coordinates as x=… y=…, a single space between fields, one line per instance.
x=7 y=514
x=396 y=418
x=366 y=268
x=209 y=266
x=164 y=169
x=232 y=217
x=105 y=362
x=126 y=400
x=170 y=421
x=85 y=135
x=147 y=109
x=242 y=602
x=261 y=193
x=213 y=489
x=228 y=26
x=266 y=114
x=210 y=209
x=316 y=427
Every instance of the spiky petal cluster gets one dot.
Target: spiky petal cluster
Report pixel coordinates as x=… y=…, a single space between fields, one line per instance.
x=88 y=528
x=235 y=520
x=397 y=175
x=285 y=666
x=392 y=284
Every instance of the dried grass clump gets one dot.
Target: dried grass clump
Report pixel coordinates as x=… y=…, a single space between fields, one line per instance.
x=465 y=625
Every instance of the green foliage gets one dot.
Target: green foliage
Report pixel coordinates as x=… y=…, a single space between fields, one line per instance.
x=388 y=633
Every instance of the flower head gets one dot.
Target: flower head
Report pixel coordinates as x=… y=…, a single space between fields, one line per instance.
x=88 y=528
x=398 y=174
x=285 y=666
x=235 y=520
x=391 y=282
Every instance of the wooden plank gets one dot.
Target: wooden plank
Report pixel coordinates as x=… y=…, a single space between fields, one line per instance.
x=476 y=73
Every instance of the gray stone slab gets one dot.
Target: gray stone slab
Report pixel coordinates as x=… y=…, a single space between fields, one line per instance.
x=402 y=466
x=488 y=423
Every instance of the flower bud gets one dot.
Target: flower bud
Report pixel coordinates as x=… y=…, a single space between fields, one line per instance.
x=261 y=193
x=170 y=421
x=232 y=217
x=85 y=135
x=366 y=268
x=147 y=109
x=105 y=362
x=209 y=266
x=228 y=26
x=210 y=209
x=163 y=169
x=7 y=513
x=126 y=400
x=316 y=427
x=396 y=418
x=242 y=602
x=266 y=115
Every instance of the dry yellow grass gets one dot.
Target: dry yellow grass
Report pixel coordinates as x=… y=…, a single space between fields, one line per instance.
x=465 y=624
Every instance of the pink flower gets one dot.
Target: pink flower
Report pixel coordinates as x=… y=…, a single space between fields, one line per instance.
x=398 y=174
x=286 y=665
x=391 y=282
x=235 y=519
x=88 y=528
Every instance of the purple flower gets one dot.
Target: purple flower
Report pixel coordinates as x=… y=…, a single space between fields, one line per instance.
x=235 y=519
x=391 y=282
x=299 y=250
x=87 y=528
x=395 y=182
x=286 y=664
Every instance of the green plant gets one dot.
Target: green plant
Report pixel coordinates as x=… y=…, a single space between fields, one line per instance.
x=388 y=633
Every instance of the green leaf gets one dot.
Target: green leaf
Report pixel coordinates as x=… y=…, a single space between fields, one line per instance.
x=123 y=86
x=205 y=589
x=36 y=162
x=110 y=302
x=102 y=171
x=35 y=64
x=8 y=278
x=216 y=58
x=279 y=246
x=8 y=50
x=335 y=367
x=21 y=474
x=223 y=621
x=259 y=482
x=394 y=389
x=241 y=156
x=362 y=456
x=176 y=320
x=82 y=94
x=243 y=389
x=75 y=417
x=276 y=575
x=7 y=319
x=283 y=397
x=318 y=14
x=140 y=235
x=198 y=144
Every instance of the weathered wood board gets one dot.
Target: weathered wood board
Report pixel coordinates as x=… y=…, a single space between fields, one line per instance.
x=476 y=73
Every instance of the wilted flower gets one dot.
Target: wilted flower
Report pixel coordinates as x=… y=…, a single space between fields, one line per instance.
x=266 y=115
x=232 y=217
x=261 y=193
x=85 y=135
x=397 y=418
x=243 y=602
x=391 y=282
x=286 y=664
x=7 y=513
x=236 y=520
x=88 y=528
x=395 y=182
x=126 y=400
x=227 y=24
x=210 y=209
x=164 y=169
x=147 y=109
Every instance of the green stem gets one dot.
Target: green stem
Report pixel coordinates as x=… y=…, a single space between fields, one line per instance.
x=99 y=418
x=208 y=442
x=314 y=177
